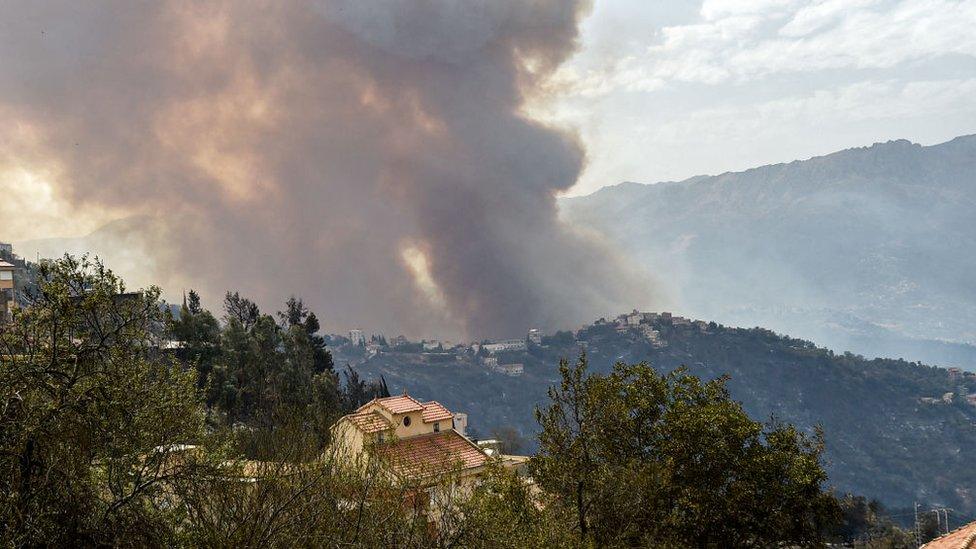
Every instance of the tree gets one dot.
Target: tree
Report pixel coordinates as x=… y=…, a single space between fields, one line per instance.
x=503 y=512
x=93 y=419
x=198 y=334
x=644 y=458
x=358 y=391
x=510 y=438
x=865 y=523
x=241 y=309
x=295 y=312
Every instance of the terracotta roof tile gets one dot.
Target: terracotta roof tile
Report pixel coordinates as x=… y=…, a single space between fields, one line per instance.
x=432 y=454
x=961 y=538
x=369 y=422
x=435 y=411
x=397 y=405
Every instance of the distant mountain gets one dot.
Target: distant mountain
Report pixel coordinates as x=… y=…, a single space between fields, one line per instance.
x=870 y=249
x=889 y=433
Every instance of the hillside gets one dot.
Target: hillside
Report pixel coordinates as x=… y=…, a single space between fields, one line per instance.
x=869 y=249
x=882 y=439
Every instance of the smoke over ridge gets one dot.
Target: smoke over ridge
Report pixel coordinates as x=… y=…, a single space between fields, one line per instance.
x=371 y=156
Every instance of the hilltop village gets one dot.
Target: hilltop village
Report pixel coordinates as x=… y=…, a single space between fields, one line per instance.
x=511 y=356
x=639 y=331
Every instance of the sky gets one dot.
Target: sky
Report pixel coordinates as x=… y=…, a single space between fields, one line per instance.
x=668 y=90
x=397 y=162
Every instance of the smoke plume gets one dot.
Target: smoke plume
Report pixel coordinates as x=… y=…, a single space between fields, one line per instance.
x=373 y=157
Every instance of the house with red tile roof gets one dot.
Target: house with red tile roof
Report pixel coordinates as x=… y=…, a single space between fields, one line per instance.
x=963 y=537
x=416 y=440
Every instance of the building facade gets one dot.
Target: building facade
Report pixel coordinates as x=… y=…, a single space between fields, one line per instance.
x=416 y=440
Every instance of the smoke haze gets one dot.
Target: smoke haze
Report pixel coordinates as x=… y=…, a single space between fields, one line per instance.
x=372 y=157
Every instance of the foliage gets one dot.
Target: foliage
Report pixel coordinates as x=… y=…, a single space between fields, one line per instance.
x=864 y=523
x=512 y=442
x=641 y=457
x=505 y=510
x=90 y=415
x=256 y=367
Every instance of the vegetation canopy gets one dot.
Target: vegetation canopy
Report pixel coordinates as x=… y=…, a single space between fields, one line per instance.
x=124 y=424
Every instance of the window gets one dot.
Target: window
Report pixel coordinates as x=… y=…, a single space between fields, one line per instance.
x=380 y=437
x=406 y=421
x=6 y=275
x=437 y=427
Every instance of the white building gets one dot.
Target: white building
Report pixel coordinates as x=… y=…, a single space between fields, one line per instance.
x=634 y=318
x=535 y=336
x=650 y=333
x=357 y=337
x=513 y=370
x=505 y=345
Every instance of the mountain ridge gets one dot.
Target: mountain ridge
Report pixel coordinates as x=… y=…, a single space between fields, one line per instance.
x=883 y=233
x=968 y=139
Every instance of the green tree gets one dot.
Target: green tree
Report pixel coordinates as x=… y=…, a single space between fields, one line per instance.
x=503 y=510
x=510 y=439
x=358 y=391
x=644 y=458
x=296 y=314
x=865 y=524
x=241 y=309
x=198 y=335
x=92 y=418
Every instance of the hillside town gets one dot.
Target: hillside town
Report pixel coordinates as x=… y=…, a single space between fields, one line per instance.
x=507 y=356
x=510 y=357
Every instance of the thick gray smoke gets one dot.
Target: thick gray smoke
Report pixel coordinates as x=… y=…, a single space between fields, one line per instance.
x=373 y=157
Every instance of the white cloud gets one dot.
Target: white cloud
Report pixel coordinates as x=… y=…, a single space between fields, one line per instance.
x=822 y=108
x=818 y=15
x=744 y=40
x=712 y=10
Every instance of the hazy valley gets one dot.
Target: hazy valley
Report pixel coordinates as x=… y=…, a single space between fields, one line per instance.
x=871 y=250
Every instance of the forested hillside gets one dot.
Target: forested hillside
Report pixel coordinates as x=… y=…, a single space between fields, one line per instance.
x=882 y=439
x=870 y=250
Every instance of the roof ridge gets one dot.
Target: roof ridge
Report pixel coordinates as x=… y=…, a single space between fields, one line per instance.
x=357 y=410
x=367 y=415
x=382 y=402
